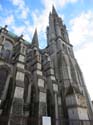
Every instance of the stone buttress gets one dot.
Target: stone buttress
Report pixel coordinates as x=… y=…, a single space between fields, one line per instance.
x=16 y=112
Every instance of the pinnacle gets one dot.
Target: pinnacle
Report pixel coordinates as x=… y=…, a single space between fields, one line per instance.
x=35 y=39
x=50 y=14
x=54 y=10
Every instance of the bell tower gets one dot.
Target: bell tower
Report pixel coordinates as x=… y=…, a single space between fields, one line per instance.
x=66 y=69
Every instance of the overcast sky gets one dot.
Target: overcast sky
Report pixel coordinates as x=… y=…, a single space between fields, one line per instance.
x=23 y=16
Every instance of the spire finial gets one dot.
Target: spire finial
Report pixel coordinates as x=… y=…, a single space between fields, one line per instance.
x=54 y=10
x=35 y=39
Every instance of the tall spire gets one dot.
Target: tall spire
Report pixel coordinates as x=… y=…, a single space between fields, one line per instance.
x=54 y=10
x=35 y=39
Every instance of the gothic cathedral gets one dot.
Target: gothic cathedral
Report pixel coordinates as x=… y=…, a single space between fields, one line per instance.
x=41 y=82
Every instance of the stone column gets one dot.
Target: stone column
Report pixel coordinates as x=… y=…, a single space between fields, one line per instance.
x=39 y=84
x=42 y=106
x=16 y=112
x=29 y=93
x=6 y=87
x=55 y=89
x=27 y=105
x=60 y=111
x=52 y=85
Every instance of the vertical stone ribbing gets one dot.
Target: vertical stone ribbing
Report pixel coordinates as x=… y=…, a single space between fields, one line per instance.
x=40 y=84
x=16 y=113
x=52 y=86
x=38 y=89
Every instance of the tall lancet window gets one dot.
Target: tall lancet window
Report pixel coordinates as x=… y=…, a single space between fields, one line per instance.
x=3 y=78
x=7 y=49
x=26 y=85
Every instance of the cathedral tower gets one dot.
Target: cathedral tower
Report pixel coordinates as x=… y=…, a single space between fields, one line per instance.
x=67 y=71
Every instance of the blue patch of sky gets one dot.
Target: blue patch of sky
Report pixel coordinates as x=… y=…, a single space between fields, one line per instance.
x=33 y=5
x=71 y=11
x=6 y=5
x=88 y=5
x=42 y=40
x=7 y=10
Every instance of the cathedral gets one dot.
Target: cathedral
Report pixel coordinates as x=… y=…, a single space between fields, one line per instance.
x=38 y=82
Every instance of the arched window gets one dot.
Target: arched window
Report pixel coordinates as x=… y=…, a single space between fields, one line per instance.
x=8 y=45
x=26 y=85
x=7 y=49
x=3 y=78
x=65 y=48
x=73 y=72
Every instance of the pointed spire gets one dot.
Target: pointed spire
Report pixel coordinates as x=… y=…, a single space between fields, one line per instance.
x=50 y=14
x=35 y=39
x=54 y=10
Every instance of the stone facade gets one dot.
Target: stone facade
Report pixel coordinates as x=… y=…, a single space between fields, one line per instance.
x=36 y=83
